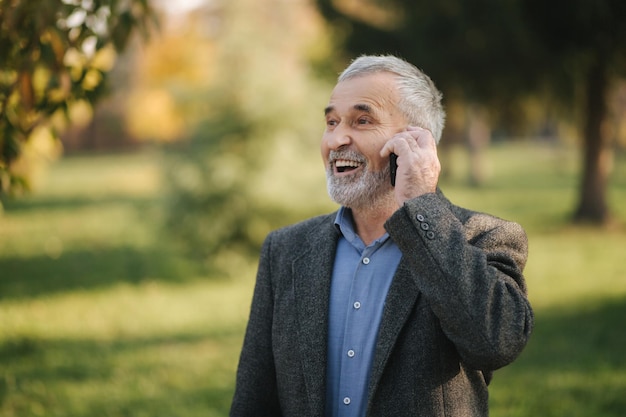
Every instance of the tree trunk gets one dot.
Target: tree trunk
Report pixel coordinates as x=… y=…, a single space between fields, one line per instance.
x=597 y=153
x=478 y=138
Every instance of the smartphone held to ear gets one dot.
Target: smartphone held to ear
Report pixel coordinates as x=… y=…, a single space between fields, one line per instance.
x=393 y=167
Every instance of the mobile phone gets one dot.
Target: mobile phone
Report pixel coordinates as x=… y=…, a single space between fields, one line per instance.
x=393 y=167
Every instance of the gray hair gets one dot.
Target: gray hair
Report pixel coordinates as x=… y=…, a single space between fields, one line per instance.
x=420 y=100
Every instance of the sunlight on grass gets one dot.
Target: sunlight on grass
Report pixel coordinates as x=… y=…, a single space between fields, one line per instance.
x=572 y=267
x=145 y=310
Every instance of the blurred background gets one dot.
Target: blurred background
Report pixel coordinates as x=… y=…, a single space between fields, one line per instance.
x=148 y=146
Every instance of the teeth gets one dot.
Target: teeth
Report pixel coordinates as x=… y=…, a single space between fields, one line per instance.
x=344 y=163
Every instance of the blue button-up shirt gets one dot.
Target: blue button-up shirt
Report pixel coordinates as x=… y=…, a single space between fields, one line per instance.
x=360 y=282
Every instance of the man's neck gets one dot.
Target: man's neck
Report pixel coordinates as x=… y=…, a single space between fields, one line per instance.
x=369 y=222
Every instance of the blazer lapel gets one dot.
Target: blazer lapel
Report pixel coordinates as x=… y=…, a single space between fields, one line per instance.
x=401 y=298
x=312 y=272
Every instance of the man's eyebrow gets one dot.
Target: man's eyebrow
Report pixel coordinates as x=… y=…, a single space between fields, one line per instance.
x=360 y=107
x=363 y=107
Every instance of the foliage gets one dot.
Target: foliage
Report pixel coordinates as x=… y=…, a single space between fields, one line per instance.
x=53 y=55
x=473 y=50
x=577 y=35
x=225 y=183
x=209 y=207
x=102 y=316
x=261 y=112
x=488 y=50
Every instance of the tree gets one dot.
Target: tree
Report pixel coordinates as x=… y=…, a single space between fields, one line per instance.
x=492 y=53
x=586 y=45
x=53 y=55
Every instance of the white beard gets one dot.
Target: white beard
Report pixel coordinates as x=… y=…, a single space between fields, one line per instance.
x=364 y=190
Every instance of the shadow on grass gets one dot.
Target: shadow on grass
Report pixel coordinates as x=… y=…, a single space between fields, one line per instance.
x=187 y=374
x=574 y=365
x=34 y=203
x=90 y=269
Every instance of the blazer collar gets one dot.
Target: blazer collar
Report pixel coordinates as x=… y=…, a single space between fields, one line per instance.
x=401 y=299
x=312 y=272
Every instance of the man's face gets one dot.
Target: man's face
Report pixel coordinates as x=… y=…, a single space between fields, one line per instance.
x=362 y=115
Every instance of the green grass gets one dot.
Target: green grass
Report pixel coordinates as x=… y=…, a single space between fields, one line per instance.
x=101 y=316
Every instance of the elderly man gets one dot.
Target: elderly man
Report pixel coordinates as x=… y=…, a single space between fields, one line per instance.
x=398 y=304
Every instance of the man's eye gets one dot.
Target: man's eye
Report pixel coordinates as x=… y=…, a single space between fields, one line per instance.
x=331 y=122
x=363 y=121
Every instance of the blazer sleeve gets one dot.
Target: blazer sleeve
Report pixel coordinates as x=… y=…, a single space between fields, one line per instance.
x=469 y=268
x=256 y=387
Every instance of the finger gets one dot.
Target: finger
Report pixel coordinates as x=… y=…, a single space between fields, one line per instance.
x=386 y=150
x=414 y=128
x=399 y=144
x=424 y=139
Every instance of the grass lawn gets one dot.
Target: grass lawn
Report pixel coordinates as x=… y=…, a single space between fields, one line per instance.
x=101 y=316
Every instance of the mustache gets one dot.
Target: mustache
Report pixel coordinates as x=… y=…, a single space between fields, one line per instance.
x=346 y=154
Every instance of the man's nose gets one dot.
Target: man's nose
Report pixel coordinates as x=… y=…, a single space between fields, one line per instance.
x=339 y=137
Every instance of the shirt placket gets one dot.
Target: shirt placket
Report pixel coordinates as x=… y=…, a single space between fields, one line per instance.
x=352 y=363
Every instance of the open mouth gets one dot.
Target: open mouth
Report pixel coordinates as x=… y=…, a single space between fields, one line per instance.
x=345 y=165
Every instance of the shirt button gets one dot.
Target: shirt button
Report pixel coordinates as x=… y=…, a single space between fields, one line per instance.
x=356 y=305
x=420 y=217
x=366 y=261
x=346 y=400
x=351 y=353
x=425 y=226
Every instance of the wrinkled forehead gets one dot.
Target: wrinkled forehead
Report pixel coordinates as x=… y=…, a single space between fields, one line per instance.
x=377 y=91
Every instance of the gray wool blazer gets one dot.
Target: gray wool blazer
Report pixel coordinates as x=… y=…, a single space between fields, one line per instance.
x=456 y=311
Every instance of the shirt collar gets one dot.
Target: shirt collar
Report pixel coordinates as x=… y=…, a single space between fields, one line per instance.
x=345 y=224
